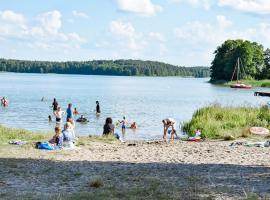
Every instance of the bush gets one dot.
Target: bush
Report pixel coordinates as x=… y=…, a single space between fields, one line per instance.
x=96 y=182
x=217 y=122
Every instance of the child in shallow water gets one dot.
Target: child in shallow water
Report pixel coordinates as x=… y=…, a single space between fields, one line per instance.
x=123 y=124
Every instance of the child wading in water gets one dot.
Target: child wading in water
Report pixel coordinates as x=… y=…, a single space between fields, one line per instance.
x=123 y=125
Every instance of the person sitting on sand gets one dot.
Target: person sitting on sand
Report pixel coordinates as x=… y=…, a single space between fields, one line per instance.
x=82 y=119
x=68 y=135
x=4 y=102
x=134 y=125
x=169 y=123
x=75 y=111
x=57 y=138
x=108 y=127
x=73 y=125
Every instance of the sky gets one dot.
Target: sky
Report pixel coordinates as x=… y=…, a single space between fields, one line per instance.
x=180 y=32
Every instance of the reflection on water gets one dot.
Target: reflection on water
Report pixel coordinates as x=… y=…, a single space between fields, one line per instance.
x=146 y=100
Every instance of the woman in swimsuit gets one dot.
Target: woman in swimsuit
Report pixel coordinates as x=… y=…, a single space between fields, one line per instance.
x=58 y=115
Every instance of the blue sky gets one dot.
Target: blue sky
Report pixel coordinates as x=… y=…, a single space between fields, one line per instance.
x=181 y=32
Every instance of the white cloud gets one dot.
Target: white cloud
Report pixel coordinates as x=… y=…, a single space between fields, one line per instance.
x=206 y=32
x=206 y=4
x=223 y=22
x=252 y=6
x=12 y=24
x=127 y=34
x=45 y=34
x=12 y=17
x=142 y=7
x=207 y=36
x=51 y=21
x=80 y=14
x=156 y=36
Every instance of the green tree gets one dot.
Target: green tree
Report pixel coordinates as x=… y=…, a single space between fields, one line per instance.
x=226 y=55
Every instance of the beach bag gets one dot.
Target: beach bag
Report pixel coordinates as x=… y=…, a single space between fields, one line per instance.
x=44 y=145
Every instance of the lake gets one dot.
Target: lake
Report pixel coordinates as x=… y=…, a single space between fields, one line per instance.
x=146 y=100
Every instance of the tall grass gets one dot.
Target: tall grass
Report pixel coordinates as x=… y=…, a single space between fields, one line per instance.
x=218 y=122
x=254 y=83
x=7 y=134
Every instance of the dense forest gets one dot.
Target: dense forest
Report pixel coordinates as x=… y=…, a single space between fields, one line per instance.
x=255 y=61
x=103 y=67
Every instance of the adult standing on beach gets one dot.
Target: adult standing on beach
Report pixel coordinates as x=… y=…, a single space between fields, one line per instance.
x=167 y=123
x=69 y=111
x=97 y=108
x=54 y=105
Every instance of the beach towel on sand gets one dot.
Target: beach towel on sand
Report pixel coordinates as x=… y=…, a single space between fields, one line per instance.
x=44 y=145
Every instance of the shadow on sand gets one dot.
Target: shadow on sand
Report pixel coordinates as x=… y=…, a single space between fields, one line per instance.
x=48 y=179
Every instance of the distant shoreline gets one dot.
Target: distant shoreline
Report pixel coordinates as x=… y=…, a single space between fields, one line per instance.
x=104 y=67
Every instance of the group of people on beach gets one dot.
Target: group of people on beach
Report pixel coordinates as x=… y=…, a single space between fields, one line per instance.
x=67 y=134
x=63 y=136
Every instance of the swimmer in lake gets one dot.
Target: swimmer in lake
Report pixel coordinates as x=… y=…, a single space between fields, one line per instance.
x=82 y=119
x=133 y=125
x=4 y=102
x=75 y=111
x=50 y=118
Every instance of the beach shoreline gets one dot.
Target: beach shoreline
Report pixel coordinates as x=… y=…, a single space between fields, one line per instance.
x=182 y=170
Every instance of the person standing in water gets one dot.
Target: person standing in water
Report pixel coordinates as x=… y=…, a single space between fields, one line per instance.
x=169 y=123
x=97 y=108
x=4 y=102
x=69 y=111
x=58 y=115
x=54 y=105
x=123 y=125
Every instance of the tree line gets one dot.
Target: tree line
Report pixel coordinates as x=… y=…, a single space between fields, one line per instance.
x=255 y=61
x=103 y=67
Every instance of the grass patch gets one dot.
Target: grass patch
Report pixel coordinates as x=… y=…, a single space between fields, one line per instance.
x=254 y=83
x=217 y=122
x=7 y=134
x=96 y=182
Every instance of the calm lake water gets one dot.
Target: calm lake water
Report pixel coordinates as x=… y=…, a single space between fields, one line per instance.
x=146 y=100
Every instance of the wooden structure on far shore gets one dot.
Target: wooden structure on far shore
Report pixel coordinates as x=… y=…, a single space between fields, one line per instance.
x=262 y=94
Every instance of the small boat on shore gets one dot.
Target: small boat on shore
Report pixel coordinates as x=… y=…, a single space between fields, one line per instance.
x=237 y=72
x=241 y=85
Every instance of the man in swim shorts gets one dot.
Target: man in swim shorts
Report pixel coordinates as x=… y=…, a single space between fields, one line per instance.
x=54 y=105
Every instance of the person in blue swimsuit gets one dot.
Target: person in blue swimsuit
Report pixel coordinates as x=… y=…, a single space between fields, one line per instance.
x=69 y=111
x=123 y=125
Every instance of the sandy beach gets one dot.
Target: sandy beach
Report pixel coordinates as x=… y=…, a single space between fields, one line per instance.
x=136 y=170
